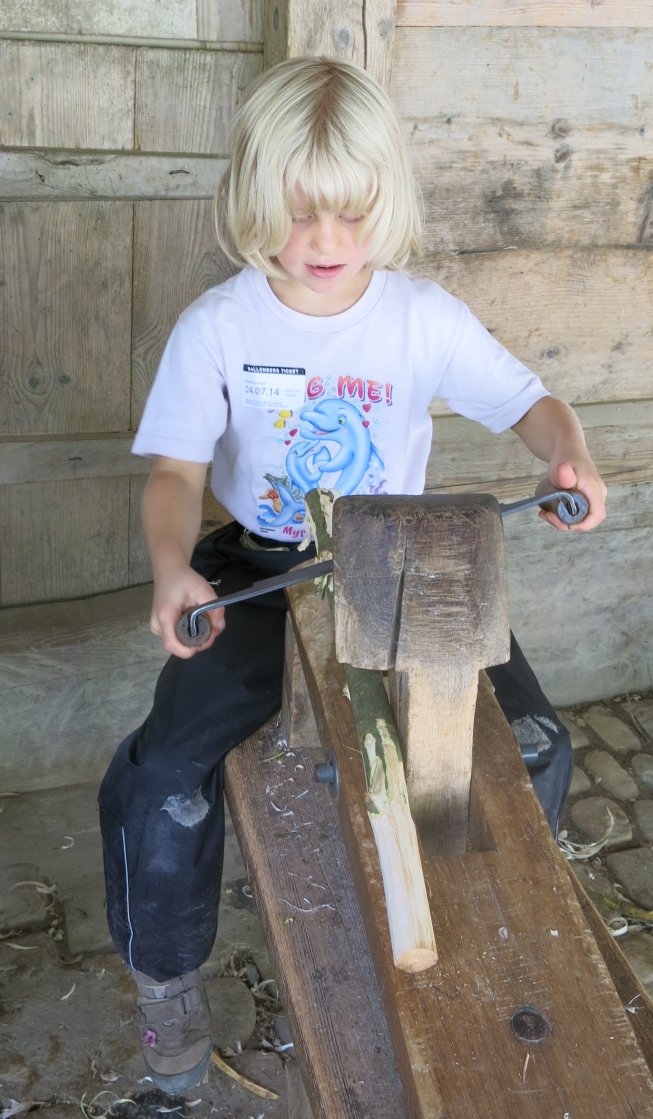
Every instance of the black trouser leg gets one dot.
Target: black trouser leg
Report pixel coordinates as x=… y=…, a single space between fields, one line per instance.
x=161 y=801
x=542 y=738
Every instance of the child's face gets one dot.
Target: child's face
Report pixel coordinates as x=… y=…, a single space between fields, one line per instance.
x=324 y=261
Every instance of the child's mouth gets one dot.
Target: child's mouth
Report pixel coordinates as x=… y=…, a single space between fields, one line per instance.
x=325 y=270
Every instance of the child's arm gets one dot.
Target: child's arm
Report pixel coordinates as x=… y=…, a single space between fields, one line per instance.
x=551 y=430
x=172 y=515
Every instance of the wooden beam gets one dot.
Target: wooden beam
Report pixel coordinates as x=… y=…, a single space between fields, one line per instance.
x=524 y=13
x=349 y=29
x=69 y=175
x=420 y=590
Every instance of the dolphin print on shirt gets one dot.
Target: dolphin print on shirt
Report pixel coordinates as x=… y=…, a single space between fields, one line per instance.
x=334 y=441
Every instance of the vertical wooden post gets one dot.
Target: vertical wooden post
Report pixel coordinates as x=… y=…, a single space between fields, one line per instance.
x=420 y=591
x=348 y=29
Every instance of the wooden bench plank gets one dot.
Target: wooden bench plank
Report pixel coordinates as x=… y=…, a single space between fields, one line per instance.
x=314 y=931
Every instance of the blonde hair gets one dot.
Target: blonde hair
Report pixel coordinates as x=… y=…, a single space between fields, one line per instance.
x=328 y=128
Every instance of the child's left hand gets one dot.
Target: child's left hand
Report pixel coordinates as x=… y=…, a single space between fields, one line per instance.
x=583 y=476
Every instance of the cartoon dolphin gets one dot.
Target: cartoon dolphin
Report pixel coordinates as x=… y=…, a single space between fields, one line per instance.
x=338 y=421
x=292 y=508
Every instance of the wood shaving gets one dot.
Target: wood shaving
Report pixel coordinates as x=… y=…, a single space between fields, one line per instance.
x=255 y=1089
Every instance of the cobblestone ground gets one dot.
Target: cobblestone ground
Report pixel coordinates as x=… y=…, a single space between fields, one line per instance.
x=607 y=826
x=67 y=1036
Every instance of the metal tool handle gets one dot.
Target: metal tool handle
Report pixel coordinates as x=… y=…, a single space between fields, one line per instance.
x=570 y=506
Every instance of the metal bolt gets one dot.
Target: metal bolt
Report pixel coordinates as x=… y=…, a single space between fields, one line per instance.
x=326 y=773
x=529 y=1024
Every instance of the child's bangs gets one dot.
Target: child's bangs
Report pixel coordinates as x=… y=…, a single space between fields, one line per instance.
x=329 y=182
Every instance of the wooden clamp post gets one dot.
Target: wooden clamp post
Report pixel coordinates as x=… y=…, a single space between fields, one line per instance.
x=420 y=591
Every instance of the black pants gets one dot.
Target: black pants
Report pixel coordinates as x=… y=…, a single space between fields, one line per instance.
x=161 y=801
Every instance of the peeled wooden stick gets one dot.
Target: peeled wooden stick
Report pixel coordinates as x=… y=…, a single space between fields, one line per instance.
x=409 y=916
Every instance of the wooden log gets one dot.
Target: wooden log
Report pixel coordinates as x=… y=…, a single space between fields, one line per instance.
x=524 y=13
x=420 y=589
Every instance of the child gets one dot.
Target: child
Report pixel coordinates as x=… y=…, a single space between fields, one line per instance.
x=314 y=365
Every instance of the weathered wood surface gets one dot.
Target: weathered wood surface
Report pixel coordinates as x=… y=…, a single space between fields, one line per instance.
x=307 y=905
x=496 y=184
x=465 y=456
x=510 y=933
x=174 y=19
x=580 y=603
x=185 y=99
x=72 y=175
x=347 y=29
x=549 y=308
x=225 y=21
x=524 y=13
x=66 y=95
x=524 y=76
x=75 y=678
x=176 y=258
x=431 y=608
x=65 y=541
x=65 y=313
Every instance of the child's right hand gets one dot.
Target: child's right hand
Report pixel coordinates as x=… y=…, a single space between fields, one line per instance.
x=176 y=592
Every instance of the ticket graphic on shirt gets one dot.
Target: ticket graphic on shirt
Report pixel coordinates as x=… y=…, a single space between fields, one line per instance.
x=273 y=386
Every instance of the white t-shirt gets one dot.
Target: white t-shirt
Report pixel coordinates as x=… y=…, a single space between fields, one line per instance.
x=281 y=402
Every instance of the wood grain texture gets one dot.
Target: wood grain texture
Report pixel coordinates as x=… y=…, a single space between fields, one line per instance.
x=186 y=99
x=227 y=21
x=578 y=318
x=85 y=671
x=66 y=540
x=73 y=175
x=500 y=183
x=510 y=933
x=159 y=19
x=330 y=27
x=65 y=317
x=580 y=604
x=314 y=932
x=176 y=258
x=524 y=13
x=420 y=589
x=524 y=76
x=66 y=95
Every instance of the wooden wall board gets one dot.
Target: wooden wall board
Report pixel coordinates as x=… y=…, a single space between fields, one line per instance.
x=228 y=21
x=346 y=29
x=66 y=316
x=467 y=457
x=72 y=175
x=66 y=540
x=85 y=671
x=161 y=19
x=186 y=99
x=524 y=13
x=580 y=318
x=66 y=95
x=525 y=75
x=140 y=568
x=580 y=605
x=498 y=185
x=58 y=460
x=176 y=258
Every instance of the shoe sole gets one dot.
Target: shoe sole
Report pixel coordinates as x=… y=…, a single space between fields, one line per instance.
x=182 y=1080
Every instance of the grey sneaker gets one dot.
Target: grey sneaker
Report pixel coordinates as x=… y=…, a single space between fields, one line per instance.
x=174 y=1022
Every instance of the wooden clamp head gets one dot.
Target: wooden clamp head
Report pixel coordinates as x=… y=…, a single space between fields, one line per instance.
x=420 y=590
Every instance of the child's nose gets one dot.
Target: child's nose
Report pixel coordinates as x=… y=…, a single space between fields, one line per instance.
x=325 y=231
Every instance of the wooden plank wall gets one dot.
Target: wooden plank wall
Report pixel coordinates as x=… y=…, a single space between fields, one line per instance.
x=530 y=127
x=113 y=121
